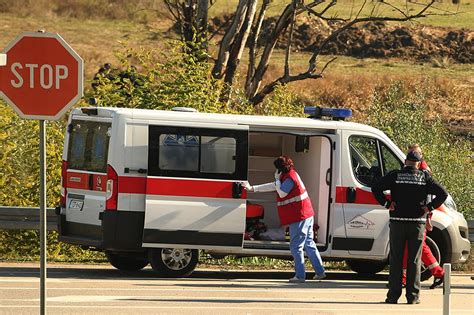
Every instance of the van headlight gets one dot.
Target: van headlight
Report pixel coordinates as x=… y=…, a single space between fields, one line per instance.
x=450 y=204
x=452 y=210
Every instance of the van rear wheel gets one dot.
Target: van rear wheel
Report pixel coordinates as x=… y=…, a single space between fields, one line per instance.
x=127 y=261
x=366 y=266
x=174 y=262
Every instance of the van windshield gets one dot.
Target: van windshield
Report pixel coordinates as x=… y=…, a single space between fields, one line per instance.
x=88 y=145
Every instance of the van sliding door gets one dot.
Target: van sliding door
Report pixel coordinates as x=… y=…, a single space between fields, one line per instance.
x=193 y=194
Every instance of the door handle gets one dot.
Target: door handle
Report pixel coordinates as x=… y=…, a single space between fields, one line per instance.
x=350 y=194
x=328 y=177
x=236 y=190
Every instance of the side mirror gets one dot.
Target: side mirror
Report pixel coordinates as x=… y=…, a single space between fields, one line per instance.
x=302 y=144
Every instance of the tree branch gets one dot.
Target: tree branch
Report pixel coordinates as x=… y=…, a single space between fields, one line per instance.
x=253 y=43
x=280 y=26
x=270 y=87
x=360 y=20
x=290 y=38
x=228 y=39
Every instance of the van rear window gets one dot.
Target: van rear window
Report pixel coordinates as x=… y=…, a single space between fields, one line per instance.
x=88 y=145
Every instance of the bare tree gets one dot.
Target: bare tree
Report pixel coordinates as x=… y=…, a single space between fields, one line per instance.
x=191 y=16
x=245 y=30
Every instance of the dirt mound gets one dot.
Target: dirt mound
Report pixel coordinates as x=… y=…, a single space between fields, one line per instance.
x=374 y=40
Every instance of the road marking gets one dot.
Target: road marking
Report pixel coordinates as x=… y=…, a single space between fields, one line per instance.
x=393 y=308
x=280 y=290
x=173 y=298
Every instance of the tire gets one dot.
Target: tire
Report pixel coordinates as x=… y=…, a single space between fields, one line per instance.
x=425 y=272
x=367 y=267
x=126 y=261
x=174 y=262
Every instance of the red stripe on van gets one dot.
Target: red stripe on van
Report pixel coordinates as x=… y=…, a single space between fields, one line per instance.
x=99 y=182
x=189 y=188
x=131 y=185
x=78 y=180
x=362 y=196
x=81 y=181
x=176 y=187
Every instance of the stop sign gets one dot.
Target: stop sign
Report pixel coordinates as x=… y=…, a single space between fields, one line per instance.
x=43 y=76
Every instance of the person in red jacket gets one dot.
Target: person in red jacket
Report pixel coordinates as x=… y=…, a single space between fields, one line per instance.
x=427 y=256
x=294 y=209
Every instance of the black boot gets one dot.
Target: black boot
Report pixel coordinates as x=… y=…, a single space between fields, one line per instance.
x=437 y=282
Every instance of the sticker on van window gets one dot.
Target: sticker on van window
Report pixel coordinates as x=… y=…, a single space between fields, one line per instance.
x=359 y=222
x=76 y=204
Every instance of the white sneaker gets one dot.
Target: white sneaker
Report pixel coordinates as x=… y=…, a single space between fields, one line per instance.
x=320 y=276
x=296 y=280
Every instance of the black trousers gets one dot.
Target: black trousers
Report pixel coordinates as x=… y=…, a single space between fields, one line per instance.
x=401 y=233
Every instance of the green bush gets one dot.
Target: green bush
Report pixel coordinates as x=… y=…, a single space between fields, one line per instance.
x=19 y=185
x=405 y=118
x=146 y=79
x=165 y=79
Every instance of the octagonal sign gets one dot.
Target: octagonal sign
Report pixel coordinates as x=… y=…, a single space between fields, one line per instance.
x=42 y=76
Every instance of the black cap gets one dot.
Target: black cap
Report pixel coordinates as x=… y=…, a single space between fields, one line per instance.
x=413 y=156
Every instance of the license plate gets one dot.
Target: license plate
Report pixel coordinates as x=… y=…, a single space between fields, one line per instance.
x=76 y=204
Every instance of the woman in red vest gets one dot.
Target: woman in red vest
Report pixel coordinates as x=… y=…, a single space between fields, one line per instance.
x=296 y=211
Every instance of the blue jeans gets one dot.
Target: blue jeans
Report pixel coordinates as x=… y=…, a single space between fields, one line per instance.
x=301 y=237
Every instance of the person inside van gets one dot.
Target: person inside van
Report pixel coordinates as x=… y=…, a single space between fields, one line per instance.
x=294 y=209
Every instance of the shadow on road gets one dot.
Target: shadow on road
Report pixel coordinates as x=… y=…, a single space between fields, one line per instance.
x=110 y=273
x=205 y=278
x=264 y=301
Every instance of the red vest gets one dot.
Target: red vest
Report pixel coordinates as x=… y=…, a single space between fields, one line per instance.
x=296 y=206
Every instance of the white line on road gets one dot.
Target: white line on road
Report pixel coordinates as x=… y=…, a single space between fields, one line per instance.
x=393 y=308
x=160 y=288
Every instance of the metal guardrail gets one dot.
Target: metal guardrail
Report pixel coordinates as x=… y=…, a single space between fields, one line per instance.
x=470 y=224
x=23 y=218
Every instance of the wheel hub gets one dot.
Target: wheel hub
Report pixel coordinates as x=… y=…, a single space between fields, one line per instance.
x=177 y=255
x=176 y=258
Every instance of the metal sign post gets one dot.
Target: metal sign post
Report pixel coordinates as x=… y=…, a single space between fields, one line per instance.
x=447 y=289
x=43 y=230
x=41 y=68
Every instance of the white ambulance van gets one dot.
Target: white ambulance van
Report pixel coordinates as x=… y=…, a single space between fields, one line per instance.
x=150 y=186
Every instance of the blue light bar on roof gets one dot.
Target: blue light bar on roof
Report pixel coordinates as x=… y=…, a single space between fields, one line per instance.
x=335 y=113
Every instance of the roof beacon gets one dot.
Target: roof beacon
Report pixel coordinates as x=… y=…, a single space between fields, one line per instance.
x=317 y=112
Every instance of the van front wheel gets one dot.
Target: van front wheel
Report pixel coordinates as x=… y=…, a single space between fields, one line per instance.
x=174 y=262
x=126 y=262
x=366 y=266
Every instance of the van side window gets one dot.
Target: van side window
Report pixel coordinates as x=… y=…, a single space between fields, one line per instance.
x=88 y=146
x=364 y=159
x=179 y=152
x=389 y=161
x=197 y=152
x=217 y=154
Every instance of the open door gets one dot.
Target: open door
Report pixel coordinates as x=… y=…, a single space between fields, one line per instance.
x=193 y=197
x=313 y=159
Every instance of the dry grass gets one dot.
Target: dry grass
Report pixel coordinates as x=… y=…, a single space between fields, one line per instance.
x=348 y=82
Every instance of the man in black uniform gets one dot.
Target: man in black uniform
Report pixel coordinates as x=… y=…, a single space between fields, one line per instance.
x=409 y=189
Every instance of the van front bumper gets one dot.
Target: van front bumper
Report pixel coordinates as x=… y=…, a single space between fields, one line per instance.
x=461 y=246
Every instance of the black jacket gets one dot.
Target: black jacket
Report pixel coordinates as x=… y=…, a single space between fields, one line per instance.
x=409 y=189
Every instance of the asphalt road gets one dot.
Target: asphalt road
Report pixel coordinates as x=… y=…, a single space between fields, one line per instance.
x=100 y=289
